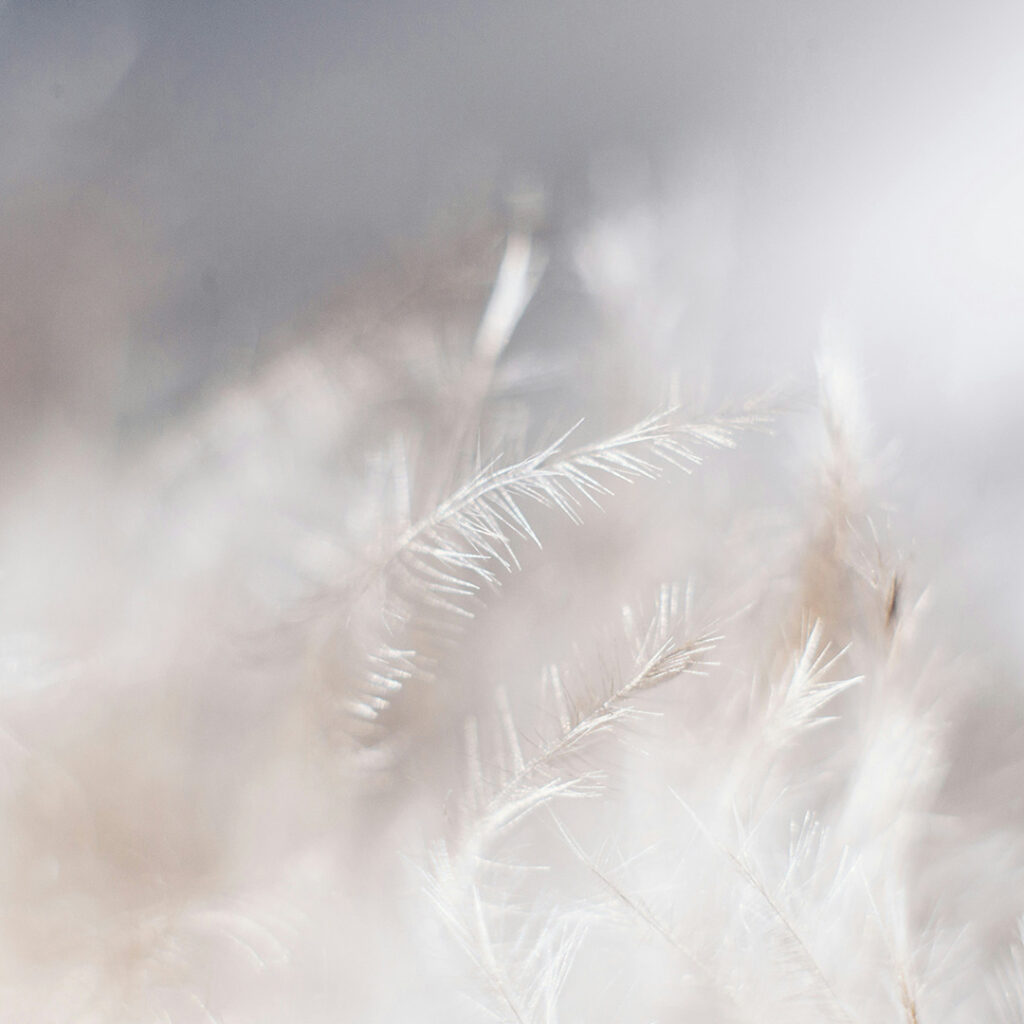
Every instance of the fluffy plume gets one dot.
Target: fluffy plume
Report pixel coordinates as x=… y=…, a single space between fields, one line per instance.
x=338 y=706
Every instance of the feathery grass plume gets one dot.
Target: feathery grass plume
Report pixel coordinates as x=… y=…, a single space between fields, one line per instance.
x=811 y=813
x=438 y=565
x=697 y=967
x=793 y=706
x=522 y=973
x=797 y=962
x=534 y=776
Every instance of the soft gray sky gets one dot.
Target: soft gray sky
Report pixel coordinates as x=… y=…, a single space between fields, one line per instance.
x=179 y=180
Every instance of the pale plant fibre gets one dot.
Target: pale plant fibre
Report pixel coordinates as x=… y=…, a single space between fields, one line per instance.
x=353 y=713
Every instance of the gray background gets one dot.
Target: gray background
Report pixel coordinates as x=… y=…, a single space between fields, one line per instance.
x=179 y=180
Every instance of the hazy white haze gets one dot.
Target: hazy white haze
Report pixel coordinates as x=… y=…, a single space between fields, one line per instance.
x=511 y=511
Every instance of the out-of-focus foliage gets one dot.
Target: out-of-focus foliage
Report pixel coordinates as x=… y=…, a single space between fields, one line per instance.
x=363 y=692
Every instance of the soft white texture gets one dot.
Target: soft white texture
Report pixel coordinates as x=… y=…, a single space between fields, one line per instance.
x=353 y=696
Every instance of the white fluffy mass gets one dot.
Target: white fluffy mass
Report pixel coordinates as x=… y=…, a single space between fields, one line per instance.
x=447 y=667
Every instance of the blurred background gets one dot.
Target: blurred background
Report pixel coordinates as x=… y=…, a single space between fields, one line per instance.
x=183 y=185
